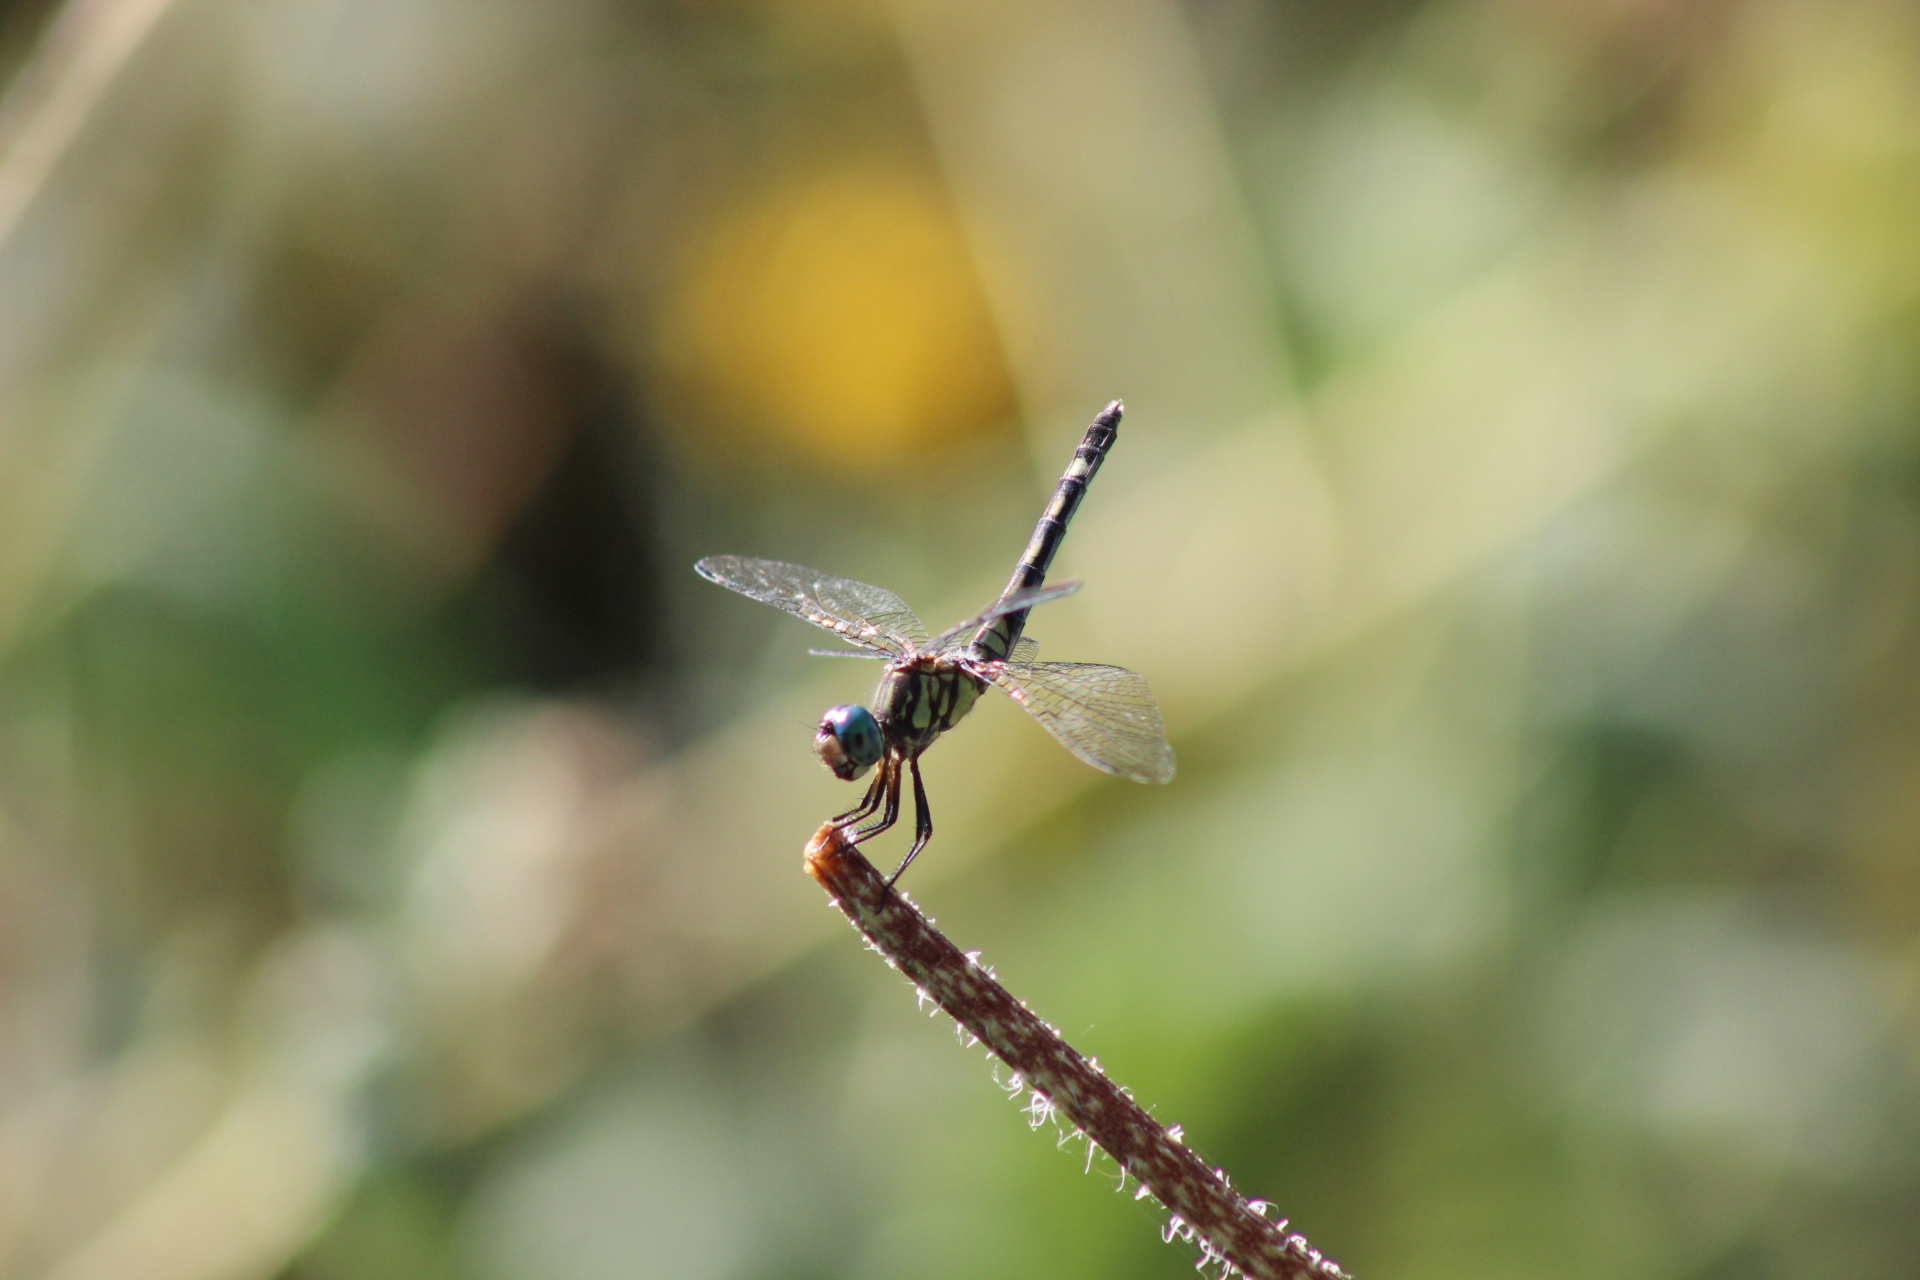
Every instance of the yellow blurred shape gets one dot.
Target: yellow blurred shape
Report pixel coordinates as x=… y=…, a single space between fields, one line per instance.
x=842 y=315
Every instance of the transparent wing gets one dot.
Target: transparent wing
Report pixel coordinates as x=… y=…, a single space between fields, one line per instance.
x=847 y=653
x=1105 y=715
x=859 y=614
x=950 y=638
x=1025 y=649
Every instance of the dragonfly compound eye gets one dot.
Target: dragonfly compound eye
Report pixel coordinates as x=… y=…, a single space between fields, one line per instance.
x=848 y=741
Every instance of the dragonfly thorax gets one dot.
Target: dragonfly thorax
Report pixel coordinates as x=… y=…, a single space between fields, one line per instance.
x=922 y=698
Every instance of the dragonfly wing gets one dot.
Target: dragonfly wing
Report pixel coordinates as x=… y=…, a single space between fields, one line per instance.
x=1025 y=649
x=863 y=615
x=1105 y=715
x=953 y=637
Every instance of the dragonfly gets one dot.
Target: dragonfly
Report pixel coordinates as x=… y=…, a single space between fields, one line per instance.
x=1103 y=714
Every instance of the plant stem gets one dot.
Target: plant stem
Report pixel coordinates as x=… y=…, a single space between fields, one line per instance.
x=1202 y=1202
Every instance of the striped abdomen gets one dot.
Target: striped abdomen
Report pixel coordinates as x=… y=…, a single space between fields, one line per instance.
x=996 y=639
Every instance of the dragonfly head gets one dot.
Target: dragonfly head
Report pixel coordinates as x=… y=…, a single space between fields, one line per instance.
x=848 y=742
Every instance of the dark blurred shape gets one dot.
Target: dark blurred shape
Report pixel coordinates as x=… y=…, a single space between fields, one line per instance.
x=572 y=595
x=21 y=25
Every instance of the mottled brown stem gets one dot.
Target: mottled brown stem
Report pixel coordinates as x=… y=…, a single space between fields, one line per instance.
x=1196 y=1194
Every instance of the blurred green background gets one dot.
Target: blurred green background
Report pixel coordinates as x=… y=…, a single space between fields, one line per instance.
x=1517 y=514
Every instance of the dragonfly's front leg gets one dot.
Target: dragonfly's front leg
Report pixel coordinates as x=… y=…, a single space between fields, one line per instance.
x=861 y=811
x=922 y=822
x=890 y=773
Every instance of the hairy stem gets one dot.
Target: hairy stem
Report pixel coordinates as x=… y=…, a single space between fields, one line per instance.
x=1198 y=1195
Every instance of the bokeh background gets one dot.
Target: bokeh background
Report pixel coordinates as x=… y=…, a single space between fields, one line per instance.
x=1517 y=513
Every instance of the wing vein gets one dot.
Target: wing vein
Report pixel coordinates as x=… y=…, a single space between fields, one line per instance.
x=1105 y=715
x=861 y=614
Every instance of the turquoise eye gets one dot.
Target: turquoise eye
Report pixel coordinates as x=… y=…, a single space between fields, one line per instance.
x=848 y=741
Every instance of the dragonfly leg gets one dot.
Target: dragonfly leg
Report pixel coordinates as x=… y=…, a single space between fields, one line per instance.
x=891 y=766
x=861 y=811
x=922 y=822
